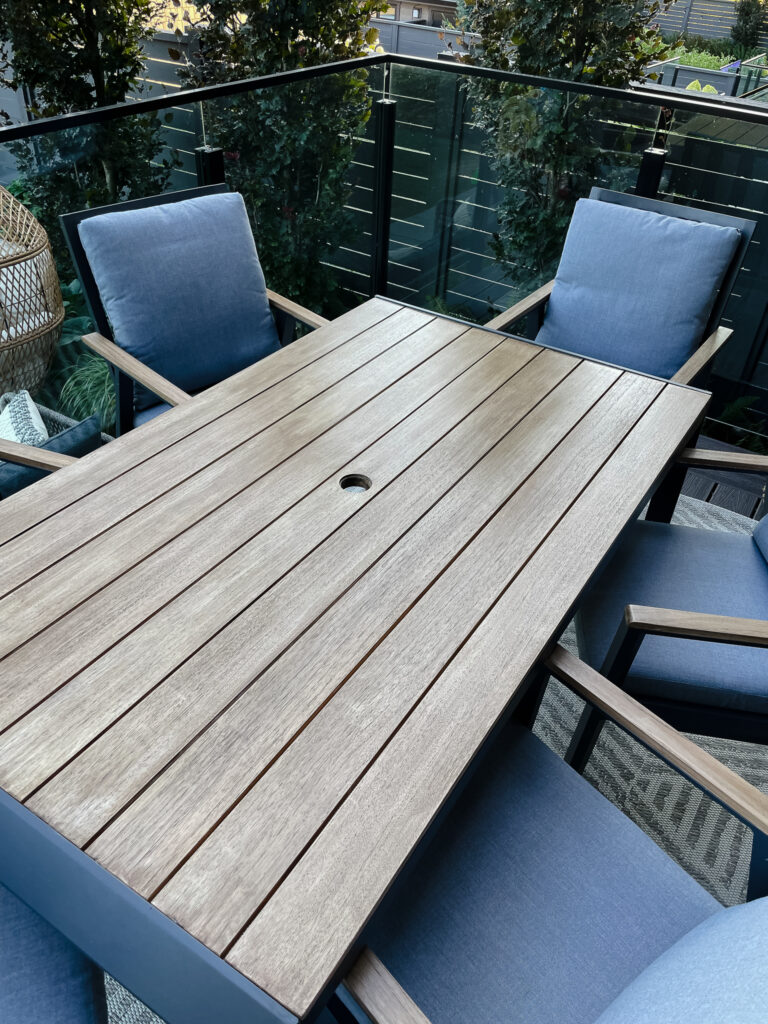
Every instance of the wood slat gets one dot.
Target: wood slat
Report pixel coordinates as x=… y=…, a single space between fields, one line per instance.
x=248 y=646
x=257 y=842
x=736 y=793
x=383 y=999
x=303 y=932
x=41 y=596
x=22 y=511
x=127 y=671
x=166 y=573
x=37 y=458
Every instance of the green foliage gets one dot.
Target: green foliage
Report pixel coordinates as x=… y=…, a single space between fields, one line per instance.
x=702 y=59
x=89 y=388
x=727 y=49
x=696 y=86
x=76 y=56
x=750 y=18
x=607 y=42
x=79 y=383
x=546 y=150
x=289 y=149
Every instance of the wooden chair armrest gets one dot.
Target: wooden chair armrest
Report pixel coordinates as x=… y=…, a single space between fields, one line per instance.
x=736 y=794
x=379 y=994
x=739 y=462
x=521 y=308
x=703 y=356
x=721 y=629
x=38 y=458
x=135 y=369
x=301 y=313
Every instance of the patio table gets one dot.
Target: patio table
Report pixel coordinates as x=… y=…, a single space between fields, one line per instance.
x=234 y=694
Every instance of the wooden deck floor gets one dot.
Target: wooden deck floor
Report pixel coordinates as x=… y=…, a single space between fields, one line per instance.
x=739 y=492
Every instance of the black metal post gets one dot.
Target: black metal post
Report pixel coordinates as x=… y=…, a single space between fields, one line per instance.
x=382 y=193
x=649 y=175
x=209 y=164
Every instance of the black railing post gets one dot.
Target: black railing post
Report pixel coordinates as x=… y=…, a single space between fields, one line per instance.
x=651 y=170
x=382 y=192
x=209 y=164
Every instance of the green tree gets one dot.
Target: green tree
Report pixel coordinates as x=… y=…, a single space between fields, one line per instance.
x=547 y=149
x=750 y=17
x=73 y=55
x=289 y=148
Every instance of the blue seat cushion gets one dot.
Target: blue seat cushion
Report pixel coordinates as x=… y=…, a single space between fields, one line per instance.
x=717 y=973
x=44 y=979
x=536 y=902
x=634 y=287
x=145 y=415
x=183 y=288
x=78 y=440
x=693 y=570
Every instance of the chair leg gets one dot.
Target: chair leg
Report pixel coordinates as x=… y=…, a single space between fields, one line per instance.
x=340 y=1012
x=757 y=885
x=123 y=403
x=662 y=504
x=528 y=708
x=585 y=736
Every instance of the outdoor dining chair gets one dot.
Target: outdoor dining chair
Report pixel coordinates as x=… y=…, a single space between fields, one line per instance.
x=641 y=283
x=538 y=902
x=679 y=618
x=178 y=296
x=44 y=979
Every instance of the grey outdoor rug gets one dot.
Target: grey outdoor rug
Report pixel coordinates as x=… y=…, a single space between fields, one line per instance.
x=695 y=831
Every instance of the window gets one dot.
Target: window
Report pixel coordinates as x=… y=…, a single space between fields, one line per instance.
x=390 y=13
x=416 y=13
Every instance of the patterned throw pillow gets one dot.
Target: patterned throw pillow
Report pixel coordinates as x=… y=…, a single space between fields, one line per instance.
x=20 y=421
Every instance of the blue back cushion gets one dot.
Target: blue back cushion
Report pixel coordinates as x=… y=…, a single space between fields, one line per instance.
x=77 y=440
x=715 y=974
x=634 y=287
x=183 y=288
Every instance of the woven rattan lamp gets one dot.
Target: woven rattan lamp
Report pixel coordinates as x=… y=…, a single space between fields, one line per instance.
x=31 y=307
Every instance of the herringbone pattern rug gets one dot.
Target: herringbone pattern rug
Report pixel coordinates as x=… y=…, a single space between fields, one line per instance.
x=695 y=831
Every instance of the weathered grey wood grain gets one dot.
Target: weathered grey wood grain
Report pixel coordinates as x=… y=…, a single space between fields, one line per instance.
x=23 y=511
x=306 y=928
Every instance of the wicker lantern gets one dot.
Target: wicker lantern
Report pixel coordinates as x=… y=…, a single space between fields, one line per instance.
x=31 y=307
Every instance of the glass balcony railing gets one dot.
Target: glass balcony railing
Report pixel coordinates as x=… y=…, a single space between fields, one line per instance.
x=444 y=186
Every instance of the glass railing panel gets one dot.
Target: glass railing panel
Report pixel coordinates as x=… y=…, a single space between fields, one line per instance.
x=302 y=156
x=485 y=180
x=130 y=157
x=721 y=164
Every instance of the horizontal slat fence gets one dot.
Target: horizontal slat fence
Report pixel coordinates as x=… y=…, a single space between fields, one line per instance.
x=712 y=19
x=181 y=128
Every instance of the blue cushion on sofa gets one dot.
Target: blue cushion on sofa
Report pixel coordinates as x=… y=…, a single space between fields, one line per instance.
x=43 y=977
x=537 y=901
x=635 y=287
x=78 y=440
x=717 y=973
x=695 y=570
x=183 y=288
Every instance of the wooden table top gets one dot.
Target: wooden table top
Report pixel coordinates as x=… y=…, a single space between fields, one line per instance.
x=245 y=691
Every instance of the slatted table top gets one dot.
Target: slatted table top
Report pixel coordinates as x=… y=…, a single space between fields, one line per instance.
x=245 y=691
